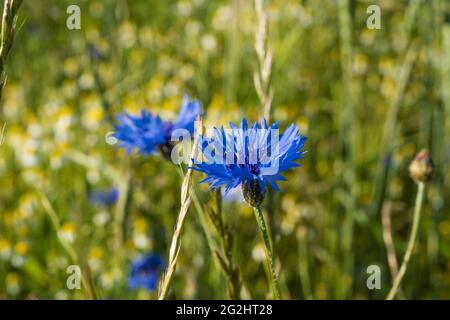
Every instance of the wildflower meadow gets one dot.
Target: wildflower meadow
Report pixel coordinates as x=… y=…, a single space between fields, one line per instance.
x=226 y=149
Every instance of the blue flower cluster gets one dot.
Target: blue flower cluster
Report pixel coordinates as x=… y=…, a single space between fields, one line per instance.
x=145 y=272
x=252 y=157
x=255 y=153
x=148 y=132
x=104 y=197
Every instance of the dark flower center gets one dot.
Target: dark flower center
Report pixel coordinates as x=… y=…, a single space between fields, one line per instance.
x=254 y=169
x=166 y=150
x=252 y=193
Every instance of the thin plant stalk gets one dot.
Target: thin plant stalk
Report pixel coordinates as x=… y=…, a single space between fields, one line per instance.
x=261 y=76
x=186 y=197
x=347 y=146
x=303 y=266
x=68 y=248
x=201 y=216
x=389 y=243
x=8 y=32
x=435 y=126
x=232 y=59
x=445 y=93
x=391 y=122
x=223 y=251
x=175 y=246
x=200 y=211
x=2 y=134
x=387 y=238
x=411 y=242
x=229 y=267
x=121 y=213
x=269 y=252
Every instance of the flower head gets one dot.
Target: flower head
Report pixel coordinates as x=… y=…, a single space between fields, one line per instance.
x=145 y=272
x=250 y=157
x=148 y=132
x=104 y=197
x=421 y=168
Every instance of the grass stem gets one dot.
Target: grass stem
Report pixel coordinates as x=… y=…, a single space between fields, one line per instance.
x=411 y=242
x=186 y=196
x=68 y=248
x=8 y=32
x=224 y=247
x=269 y=251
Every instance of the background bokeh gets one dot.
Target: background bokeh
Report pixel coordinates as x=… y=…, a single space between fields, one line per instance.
x=367 y=102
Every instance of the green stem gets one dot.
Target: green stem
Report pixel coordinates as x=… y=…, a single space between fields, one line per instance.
x=347 y=148
x=269 y=251
x=411 y=242
x=224 y=251
x=304 y=269
x=411 y=49
x=231 y=273
x=68 y=248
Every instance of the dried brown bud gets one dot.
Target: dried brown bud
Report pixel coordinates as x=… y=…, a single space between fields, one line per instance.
x=421 y=168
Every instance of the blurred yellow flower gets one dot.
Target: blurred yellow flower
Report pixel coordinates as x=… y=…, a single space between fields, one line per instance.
x=5 y=249
x=97 y=252
x=71 y=67
x=360 y=64
x=21 y=248
x=12 y=281
x=67 y=232
x=140 y=225
x=154 y=88
x=96 y=256
x=27 y=205
x=93 y=112
x=140 y=238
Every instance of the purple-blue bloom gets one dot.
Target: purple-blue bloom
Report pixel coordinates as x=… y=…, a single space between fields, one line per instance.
x=148 y=132
x=145 y=272
x=104 y=197
x=258 y=157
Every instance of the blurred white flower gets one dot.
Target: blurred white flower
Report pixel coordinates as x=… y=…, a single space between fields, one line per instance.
x=184 y=8
x=209 y=42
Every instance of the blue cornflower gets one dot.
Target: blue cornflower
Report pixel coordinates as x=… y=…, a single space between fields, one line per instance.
x=104 y=197
x=148 y=132
x=145 y=272
x=252 y=158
